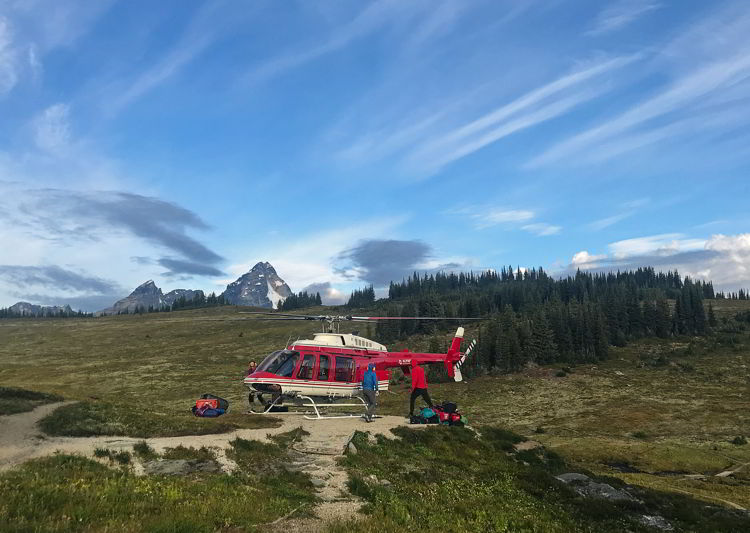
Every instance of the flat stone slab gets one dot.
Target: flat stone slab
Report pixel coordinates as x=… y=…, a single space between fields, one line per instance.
x=572 y=476
x=180 y=467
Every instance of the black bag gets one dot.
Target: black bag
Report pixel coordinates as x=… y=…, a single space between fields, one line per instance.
x=449 y=407
x=417 y=419
x=223 y=404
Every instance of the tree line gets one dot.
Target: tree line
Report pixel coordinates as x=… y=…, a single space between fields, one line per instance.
x=362 y=297
x=7 y=312
x=535 y=318
x=300 y=300
x=198 y=301
x=742 y=294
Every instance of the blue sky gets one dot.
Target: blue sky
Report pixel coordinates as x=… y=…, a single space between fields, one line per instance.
x=352 y=142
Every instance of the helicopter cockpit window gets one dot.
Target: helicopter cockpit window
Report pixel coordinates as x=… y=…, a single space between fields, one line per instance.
x=344 y=369
x=286 y=369
x=306 y=368
x=280 y=362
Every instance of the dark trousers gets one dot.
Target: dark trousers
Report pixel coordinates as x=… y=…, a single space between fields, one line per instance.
x=418 y=392
x=372 y=403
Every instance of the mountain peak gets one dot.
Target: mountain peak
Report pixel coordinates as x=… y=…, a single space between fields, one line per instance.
x=148 y=287
x=260 y=287
x=263 y=266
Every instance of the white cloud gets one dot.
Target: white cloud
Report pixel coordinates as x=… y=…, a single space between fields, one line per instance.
x=722 y=259
x=586 y=260
x=665 y=244
x=731 y=268
x=51 y=128
x=542 y=229
x=619 y=14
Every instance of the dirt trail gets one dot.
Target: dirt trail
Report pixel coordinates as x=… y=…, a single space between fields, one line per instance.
x=315 y=454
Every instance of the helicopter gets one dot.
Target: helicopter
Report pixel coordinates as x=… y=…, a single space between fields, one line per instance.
x=324 y=371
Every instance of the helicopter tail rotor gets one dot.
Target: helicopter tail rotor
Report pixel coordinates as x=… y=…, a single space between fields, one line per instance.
x=455 y=358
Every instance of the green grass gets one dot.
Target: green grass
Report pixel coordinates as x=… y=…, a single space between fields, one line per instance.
x=15 y=400
x=446 y=479
x=70 y=494
x=95 y=417
x=190 y=453
x=141 y=373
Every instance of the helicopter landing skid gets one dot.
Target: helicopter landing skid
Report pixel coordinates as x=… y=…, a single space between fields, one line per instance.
x=317 y=408
x=268 y=408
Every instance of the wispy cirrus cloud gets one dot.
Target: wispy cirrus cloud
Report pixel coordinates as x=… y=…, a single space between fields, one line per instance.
x=701 y=94
x=8 y=58
x=627 y=210
x=425 y=142
x=211 y=22
x=484 y=217
x=619 y=14
x=31 y=29
x=542 y=229
x=420 y=20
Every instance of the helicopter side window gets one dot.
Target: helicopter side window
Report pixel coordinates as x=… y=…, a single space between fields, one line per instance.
x=286 y=369
x=323 y=368
x=344 y=369
x=306 y=368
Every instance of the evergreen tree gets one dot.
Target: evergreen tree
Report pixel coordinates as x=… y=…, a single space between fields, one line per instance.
x=711 y=316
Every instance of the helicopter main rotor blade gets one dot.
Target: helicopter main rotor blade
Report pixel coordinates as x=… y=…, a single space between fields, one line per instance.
x=280 y=318
x=291 y=315
x=409 y=318
x=267 y=315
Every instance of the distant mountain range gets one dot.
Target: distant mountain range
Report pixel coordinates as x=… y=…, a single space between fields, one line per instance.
x=27 y=309
x=149 y=296
x=260 y=287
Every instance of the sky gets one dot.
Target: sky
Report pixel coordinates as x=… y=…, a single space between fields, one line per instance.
x=353 y=143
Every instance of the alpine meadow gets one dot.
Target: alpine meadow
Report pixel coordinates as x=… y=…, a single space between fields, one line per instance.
x=325 y=266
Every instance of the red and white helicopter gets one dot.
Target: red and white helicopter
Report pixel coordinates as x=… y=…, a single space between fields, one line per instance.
x=322 y=371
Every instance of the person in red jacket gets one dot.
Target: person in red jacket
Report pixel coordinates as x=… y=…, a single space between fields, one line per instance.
x=418 y=386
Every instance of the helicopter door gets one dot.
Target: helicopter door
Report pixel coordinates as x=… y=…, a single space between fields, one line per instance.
x=324 y=367
x=344 y=369
x=306 y=368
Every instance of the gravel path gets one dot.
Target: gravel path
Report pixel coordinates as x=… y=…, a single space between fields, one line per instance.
x=315 y=454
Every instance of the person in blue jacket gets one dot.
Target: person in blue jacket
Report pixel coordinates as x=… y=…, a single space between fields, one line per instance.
x=370 y=391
